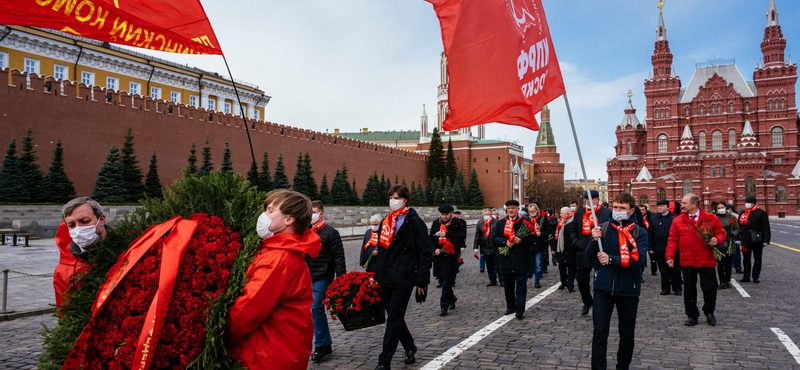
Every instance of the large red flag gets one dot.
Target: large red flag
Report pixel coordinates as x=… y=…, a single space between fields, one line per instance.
x=501 y=61
x=178 y=26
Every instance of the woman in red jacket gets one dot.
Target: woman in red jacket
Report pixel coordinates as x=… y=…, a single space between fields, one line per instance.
x=697 y=257
x=269 y=325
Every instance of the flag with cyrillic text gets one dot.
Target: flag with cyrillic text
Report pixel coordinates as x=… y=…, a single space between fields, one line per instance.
x=179 y=26
x=500 y=59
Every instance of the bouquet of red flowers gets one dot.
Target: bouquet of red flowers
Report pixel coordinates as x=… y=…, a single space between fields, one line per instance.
x=354 y=298
x=704 y=230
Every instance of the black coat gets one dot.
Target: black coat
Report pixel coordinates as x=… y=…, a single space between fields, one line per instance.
x=659 y=232
x=519 y=258
x=569 y=256
x=331 y=256
x=445 y=266
x=757 y=221
x=407 y=261
x=540 y=243
x=366 y=252
x=580 y=240
x=483 y=243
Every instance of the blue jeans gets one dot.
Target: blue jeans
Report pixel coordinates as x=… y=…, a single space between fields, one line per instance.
x=538 y=266
x=482 y=263
x=737 y=257
x=322 y=334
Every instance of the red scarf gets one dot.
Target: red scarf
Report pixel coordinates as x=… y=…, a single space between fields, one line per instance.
x=387 y=229
x=319 y=225
x=588 y=220
x=560 y=224
x=746 y=215
x=535 y=224
x=509 y=228
x=646 y=222
x=373 y=240
x=626 y=238
x=443 y=241
x=486 y=228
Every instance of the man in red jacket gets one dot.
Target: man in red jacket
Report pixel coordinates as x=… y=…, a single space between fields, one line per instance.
x=697 y=257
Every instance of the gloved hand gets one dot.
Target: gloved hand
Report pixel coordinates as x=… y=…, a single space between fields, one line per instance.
x=420 y=298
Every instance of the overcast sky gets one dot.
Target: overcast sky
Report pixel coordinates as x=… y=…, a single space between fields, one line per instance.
x=374 y=63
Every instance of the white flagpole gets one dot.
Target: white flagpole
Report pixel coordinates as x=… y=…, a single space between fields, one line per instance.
x=583 y=168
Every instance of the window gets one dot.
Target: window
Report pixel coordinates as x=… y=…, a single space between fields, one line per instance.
x=628 y=188
x=661 y=194
x=701 y=109
x=662 y=143
x=212 y=103
x=732 y=139
x=750 y=186
x=722 y=171
x=798 y=202
x=630 y=148
x=713 y=171
x=769 y=104
x=643 y=200
x=243 y=108
x=32 y=65
x=193 y=100
x=135 y=88
x=687 y=186
x=155 y=92
x=256 y=114
x=658 y=113
x=87 y=78
x=783 y=103
x=227 y=108
x=777 y=136
x=175 y=97
x=780 y=194
x=747 y=106
x=686 y=112
x=730 y=108
x=59 y=72
x=662 y=166
x=112 y=83
x=3 y=60
x=778 y=160
x=716 y=140
x=702 y=141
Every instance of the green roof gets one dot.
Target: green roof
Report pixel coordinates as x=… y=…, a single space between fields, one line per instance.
x=545 y=137
x=488 y=141
x=382 y=135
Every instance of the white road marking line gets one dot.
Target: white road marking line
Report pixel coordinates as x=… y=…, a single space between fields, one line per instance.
x=455 y=351
x=787 y=342
x=739 y=288
x=783 y=232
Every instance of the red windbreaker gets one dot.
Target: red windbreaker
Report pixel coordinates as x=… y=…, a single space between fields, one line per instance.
x=269 y=325
x=68 y=265
x=694 y=251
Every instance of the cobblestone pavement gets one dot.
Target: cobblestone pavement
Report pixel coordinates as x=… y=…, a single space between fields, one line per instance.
x=30 y=292
x=553 y=335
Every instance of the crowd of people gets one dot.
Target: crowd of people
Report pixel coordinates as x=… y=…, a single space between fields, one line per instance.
x=301 y=254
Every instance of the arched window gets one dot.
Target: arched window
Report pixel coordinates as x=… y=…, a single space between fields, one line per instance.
x=747 y=106
x=643 y=200
x=713 y=171
x=661 y=194
x=780 y=194
x=630 y=148
x=732 y=139
x=686 y=112
x=750 y=186
x=769 y=104
x=783 y=103
x=702 y=141
x=722 y=171
x=662 y=143
x=667 y=112
x=716 y=140
x=628 y=188
x=777 y=136
x=658 y=113
x=687 y=186
x=662 y=166
x=730 y=108
x=701 y=109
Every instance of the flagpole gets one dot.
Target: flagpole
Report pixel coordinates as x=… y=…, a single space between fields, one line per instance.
x=244 y=116
x=583 y=168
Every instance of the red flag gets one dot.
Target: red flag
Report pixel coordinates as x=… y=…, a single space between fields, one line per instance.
x=501 y=60
x=179 y=26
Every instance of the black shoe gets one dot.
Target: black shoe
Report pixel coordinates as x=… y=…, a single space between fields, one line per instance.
x=453 y=305
x=537 y=285
x=509 y=311
x=492 y=284
x=520 y=315
x=571 y=290
x=665 y=292
x=739 y=271
x=443 y=313
x=544 y=271
x=692 y=321
x=678 y=292
x=381 y=367
x=756 y=280
x=501 y=284
x=561 y=287
x=710 y=319
x=439 y=285
x=745 y=280
x=320 y=353
x=481 y=270
x=585 y=310
x=409 y=358
x=724 y=286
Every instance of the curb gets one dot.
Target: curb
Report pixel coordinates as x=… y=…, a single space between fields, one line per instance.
x=29 y=313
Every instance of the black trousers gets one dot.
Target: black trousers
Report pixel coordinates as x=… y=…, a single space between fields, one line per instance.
x=567 y=273
x=584 y=274
x=724 y=268
x=670 y=276
x=395 y=301
x=448 y=296
x=493 y=267
x=516 y=289
x=756 y=254
x=708 y=283
x=601 y=315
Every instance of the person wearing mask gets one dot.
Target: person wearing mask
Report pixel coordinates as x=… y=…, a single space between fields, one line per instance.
x=540 y=246
x=617 y=280
x=483 y=245
x=563 y=250
x=737 y=256
x=731 y=226
x=370 y=243
x=580 y=232
x=84 y=227
x=552 y=222
x=495 y=214
x=697 y=258
x=573 y=206
x=516 y=264
x=544 y=225
x=447 y=236
x=403 y=262
x=329 y=261
x=646 y=215
x=755 y=235
x=269 y=328
x=660 y=224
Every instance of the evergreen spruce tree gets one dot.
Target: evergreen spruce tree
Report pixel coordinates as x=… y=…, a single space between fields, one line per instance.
x=438 y=199
x=191 y=166
x=265 y=183
x=372 y=191
x=340 y=194
x=227 y=165
x=57 y=187
x=31 y=174
x=404 y=180
x=413 y=197
x=109 y=187
x=252 y=175
x=384 y=187
x=396 y=181
x=300 y=180
x=324 y=192
x=312 y=183
x=423 y=198
x=459 y=190
x=12 y=182
x=152 y=184
x=430 y=192
x=436 y=156
x=207 y=166
x=475 y=195
x=450 y=167
x=131 y=173
x=280 y=180
x=354 y=195
x=449 y=194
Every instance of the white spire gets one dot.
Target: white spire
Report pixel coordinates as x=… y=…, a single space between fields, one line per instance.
x=661 y=30
x=687 y=134
x=748 y=129
x=790 y=60
x=796 y=171
x=423 y=127
x=772 y=15
x=644 y=175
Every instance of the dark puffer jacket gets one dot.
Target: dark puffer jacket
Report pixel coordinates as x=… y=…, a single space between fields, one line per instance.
x=331 y=256
x=407 y=262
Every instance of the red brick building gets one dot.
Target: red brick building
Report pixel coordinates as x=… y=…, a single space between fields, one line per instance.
x=546 y=160
x=720 y=137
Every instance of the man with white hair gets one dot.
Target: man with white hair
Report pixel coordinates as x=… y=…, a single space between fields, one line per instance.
x=370 y=242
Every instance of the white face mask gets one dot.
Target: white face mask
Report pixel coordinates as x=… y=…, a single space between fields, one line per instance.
x=314 y=218
x=262 y=226
x=619 y=216
x=487 y=218
x=572 y=209
x=721 y=211
x=748 y=205
x=85 y=236
x=375 y=228
x=395 y=204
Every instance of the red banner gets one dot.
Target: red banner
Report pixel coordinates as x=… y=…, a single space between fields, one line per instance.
x=174 y=26
x=501 y=61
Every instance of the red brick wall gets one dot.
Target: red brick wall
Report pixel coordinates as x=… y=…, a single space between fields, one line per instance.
x=87 y=128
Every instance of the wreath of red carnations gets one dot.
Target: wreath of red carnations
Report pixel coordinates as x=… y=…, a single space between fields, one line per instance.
x=352 y=292
x=203 y=275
